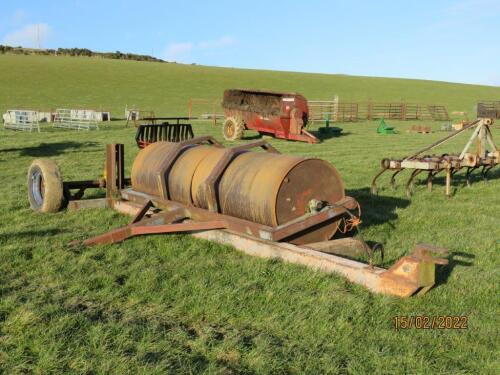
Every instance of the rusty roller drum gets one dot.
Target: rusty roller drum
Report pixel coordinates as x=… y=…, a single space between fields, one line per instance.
x=266 y=188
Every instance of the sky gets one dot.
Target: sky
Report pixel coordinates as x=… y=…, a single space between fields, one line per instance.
x=456 y=41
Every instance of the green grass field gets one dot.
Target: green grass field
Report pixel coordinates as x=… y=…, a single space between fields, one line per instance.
x=173 y=304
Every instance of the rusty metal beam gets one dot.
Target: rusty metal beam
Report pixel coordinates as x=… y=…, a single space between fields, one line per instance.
x=87 y=203
x=443 y=140
x=412 y=274
x=244 y=226
x=121 y=234
x=347 y=247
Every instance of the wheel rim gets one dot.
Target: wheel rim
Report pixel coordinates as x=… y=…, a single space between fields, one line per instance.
x=37 y=187
x=229 y=129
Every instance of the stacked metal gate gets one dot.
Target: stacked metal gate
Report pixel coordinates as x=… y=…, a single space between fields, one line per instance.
x=21 y=120
x=76 y=119
x=489 y=109
x=320 y=110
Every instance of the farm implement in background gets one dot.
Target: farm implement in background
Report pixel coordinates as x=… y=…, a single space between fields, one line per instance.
x=134 y=115
x=489 y=109
x=282 y=115
x=422 y=129
x=483 y=158
x=265 y=204
x=383 y=128
x=164 y=131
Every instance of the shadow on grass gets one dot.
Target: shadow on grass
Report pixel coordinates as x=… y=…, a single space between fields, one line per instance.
x=377 y=209
x=29 y=234
x=253 y=136
x=455 y=258
x=49 y=149
x=459 y=180
x=328 y=135
x=317 y=134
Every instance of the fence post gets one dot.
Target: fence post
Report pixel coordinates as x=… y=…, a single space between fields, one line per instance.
x=335 y=107
x=214 y=115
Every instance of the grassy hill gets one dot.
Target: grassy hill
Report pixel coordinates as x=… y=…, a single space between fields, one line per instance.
x=46 y=82
x=173 y=304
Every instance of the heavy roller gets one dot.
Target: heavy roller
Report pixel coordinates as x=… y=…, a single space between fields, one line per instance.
x=267 y=188
x=252 y=197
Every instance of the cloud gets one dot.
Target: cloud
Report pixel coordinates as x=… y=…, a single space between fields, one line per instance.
x=493 y=80
x=177 y=50
x=182 y=51
x=219 y=43
x=31 y=36
x=18 y=17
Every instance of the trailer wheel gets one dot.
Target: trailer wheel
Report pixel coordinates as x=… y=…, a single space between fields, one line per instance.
x=233 y=128
x=45 y=186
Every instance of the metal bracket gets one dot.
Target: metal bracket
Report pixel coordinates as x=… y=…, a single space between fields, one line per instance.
x=142 y=212
x=115 y=170
x=307 y=221
x=414 y=273
x=208 y=187
x=162 y=177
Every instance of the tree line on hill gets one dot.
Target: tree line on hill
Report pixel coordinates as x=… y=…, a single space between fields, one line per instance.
x=77 y=52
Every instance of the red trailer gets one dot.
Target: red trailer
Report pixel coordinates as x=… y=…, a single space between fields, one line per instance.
x=283 y=115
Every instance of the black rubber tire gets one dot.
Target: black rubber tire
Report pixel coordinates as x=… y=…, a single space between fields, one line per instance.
x=45 y=186
x=233 y=128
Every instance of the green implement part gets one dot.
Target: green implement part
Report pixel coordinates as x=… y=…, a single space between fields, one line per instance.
x=384 y=129
x=328 y=130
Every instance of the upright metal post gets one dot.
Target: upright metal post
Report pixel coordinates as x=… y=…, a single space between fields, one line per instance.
x=120 y=166
x=110 y=171
x=448 y=181
x=115 y=177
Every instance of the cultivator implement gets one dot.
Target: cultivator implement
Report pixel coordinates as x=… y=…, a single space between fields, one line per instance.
x=163 y=131
x=486 y=156
x=265 y=204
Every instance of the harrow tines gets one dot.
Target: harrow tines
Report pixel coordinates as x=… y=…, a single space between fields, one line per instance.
x=450 y=163
x=151 y=133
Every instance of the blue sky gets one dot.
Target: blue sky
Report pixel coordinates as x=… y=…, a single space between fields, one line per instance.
x=457 y=41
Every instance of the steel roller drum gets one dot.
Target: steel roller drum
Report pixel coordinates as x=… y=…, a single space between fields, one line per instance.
x=266 y=188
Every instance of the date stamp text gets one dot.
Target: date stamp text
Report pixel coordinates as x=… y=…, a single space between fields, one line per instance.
x=430 y=322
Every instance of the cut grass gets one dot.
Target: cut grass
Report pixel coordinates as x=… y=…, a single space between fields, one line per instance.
x=175 y=304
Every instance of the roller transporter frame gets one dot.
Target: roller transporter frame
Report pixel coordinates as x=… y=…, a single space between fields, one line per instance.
x=160 y=170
